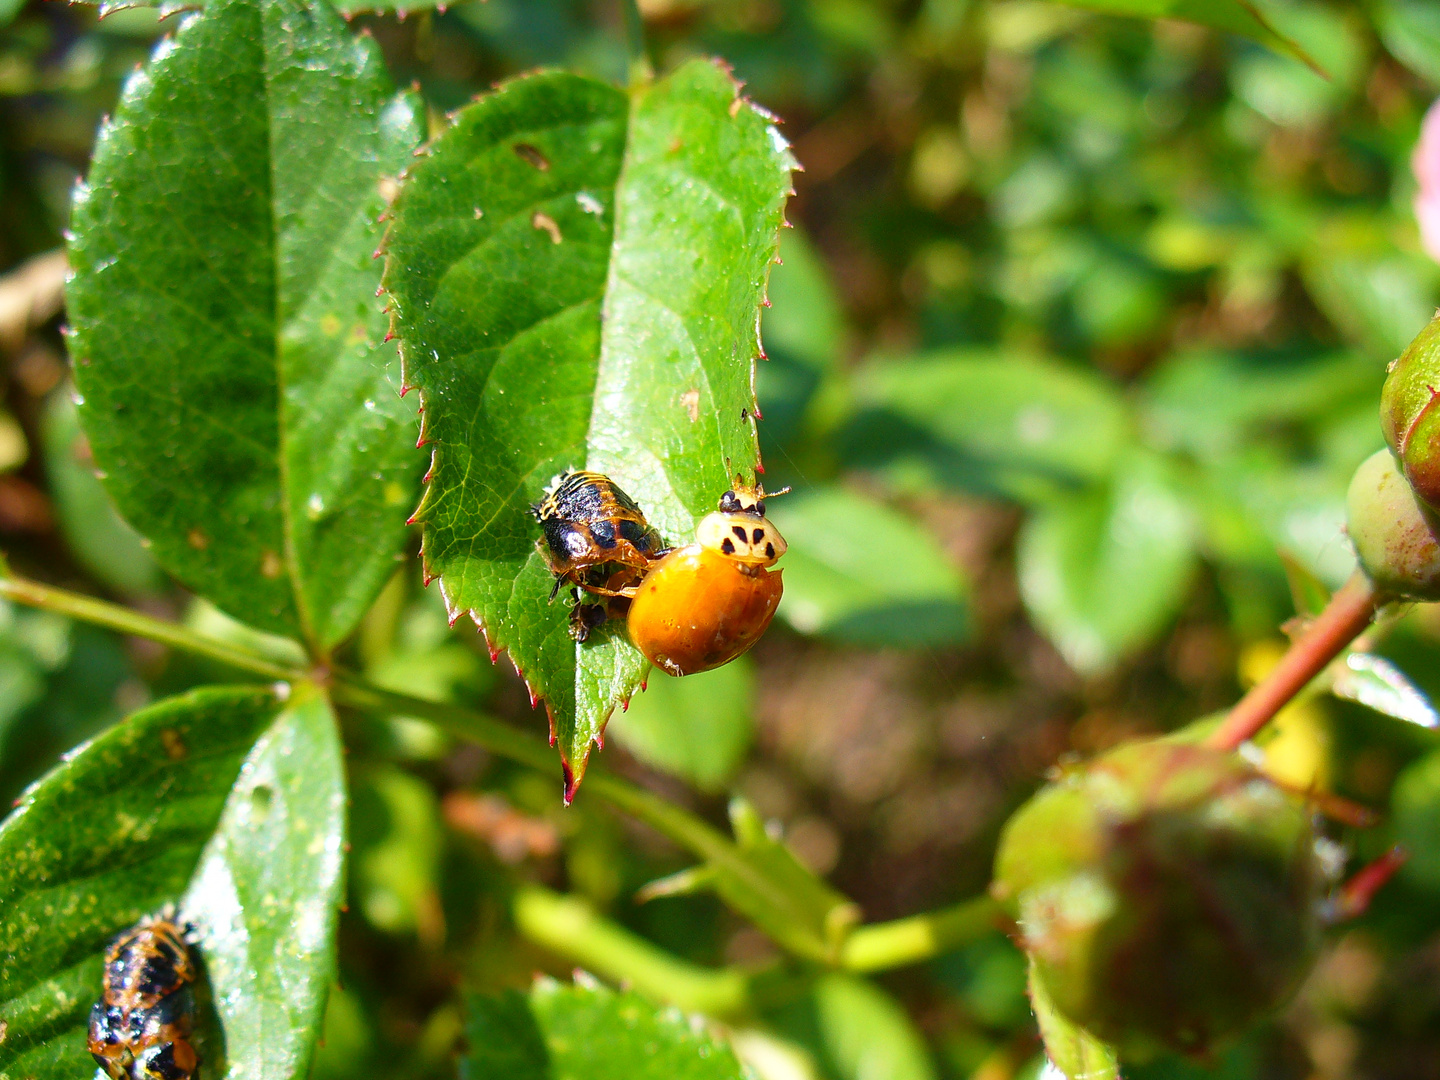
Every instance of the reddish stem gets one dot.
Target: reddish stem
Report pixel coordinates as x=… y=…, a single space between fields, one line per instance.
x=1355 y=895
x=1344 y=619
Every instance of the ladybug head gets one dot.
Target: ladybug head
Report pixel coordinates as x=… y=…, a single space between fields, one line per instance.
x=744 y=499
x=745 y=536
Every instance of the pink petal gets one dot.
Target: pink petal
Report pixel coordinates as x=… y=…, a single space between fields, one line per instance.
x=1426 y=165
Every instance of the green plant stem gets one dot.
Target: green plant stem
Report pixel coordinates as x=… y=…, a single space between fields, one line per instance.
x=670 y=820
x=126 y=621
x=684 y=828
x=919 y=937
x=1345 y=618
x=869 y=948
x=498 y=738
x=571 y=927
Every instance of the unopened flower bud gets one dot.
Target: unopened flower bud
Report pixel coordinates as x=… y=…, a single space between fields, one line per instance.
x=1409 y=416
x=1396 y=535
x=1166 y=892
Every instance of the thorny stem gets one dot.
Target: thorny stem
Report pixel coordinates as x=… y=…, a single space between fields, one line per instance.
x=1344 y=619
x=868 y=948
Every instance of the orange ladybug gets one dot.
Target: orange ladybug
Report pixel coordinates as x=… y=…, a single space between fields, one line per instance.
x=702 y=605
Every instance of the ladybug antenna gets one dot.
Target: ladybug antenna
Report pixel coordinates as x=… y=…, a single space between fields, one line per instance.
x=772 y=494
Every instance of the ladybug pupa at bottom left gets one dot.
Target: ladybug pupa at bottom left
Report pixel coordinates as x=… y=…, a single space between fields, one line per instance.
x=140 y=1028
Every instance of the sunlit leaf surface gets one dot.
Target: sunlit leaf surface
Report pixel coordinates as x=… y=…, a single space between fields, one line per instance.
x=228 y=341
x=576 y=274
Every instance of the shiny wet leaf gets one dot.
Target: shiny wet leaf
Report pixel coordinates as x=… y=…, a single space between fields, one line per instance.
x=548 y=204
x=228 y=341
x=227 y=802
x=555 y=1032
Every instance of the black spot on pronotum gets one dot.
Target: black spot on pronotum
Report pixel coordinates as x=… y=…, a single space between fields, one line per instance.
x=757 y=536
x=728 y=546
x=739 y=531
x=527 y=153
x=769 y=551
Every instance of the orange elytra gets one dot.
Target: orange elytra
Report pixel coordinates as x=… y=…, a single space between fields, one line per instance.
x=702 y=605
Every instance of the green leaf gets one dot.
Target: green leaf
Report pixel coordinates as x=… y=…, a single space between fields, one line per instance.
x=33 y=645
x=63 y=685
x=1102 y=572
x=861 y=572
x=1242 y=17
x=857 y=1031
x=1411 y=31
x=804 y=322
x=1378 y=298
x=698 y=728
x=560 y=1032
x=348 y=10
x=1378 y=684
x=224 y=800
x=1415 y=804
x=1286 y=91
x=576 y=276
x=1071 y=1049
x=265 y=898
x=796 y=908
x=101 y=539
x=804 y=333
x=992 y=423
x=867 y=1033
x=1212 y=403
x=398 y=843
x=228 y=342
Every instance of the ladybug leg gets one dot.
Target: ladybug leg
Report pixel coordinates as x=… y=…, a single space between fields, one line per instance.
x=636 y=559
x=584 y=618
x=569 y=575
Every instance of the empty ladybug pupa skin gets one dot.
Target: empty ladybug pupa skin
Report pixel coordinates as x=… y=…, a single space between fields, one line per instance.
x=595 y=538
x=702 y=605
x=140 y=1027
x=588 y=520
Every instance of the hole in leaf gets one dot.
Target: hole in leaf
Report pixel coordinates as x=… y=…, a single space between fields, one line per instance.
x=261 y=799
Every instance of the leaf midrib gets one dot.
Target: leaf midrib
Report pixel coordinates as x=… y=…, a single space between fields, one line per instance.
x=287 y=517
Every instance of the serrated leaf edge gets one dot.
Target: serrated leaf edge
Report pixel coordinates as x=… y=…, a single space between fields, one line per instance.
x=572 y=775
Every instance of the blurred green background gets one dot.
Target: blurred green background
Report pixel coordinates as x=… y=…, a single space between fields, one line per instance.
x=1077 y=339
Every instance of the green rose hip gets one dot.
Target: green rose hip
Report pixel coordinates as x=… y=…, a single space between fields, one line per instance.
x=1166 y=892
x=1409 y=416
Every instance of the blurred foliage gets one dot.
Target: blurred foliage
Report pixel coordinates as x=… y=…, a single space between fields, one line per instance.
x=1074 y=347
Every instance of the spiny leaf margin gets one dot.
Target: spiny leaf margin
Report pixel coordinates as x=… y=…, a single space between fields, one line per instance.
x=617 y=246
